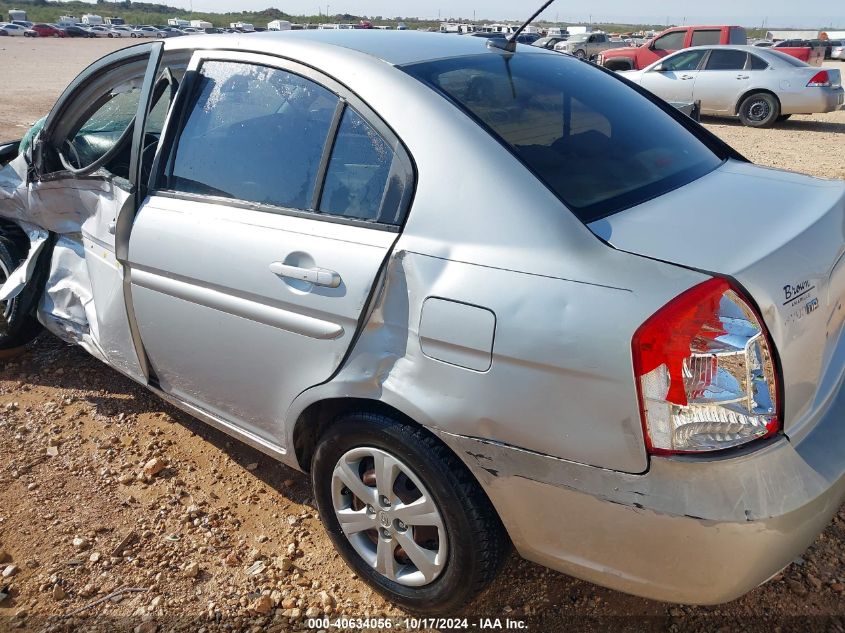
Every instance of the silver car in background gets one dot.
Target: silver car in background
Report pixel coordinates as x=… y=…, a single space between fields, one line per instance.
x=760 y=86
x=584 y=326
x=837 y=51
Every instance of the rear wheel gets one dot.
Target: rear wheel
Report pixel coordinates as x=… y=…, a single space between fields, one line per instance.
x=760 y=109
x=16 y=328
x=580 y=54
x=406 y=514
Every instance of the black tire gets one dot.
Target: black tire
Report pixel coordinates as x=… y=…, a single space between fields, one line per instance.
x=784 y=117
x=477 y=542
x=581 y=54
x=760 y=109
x=16 y=328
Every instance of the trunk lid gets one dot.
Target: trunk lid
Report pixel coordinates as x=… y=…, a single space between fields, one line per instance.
x=779 y=234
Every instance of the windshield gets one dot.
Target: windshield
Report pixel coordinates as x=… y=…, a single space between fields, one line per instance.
x=597 y=143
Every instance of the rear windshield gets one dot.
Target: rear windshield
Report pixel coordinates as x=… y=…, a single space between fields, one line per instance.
x=599 y=145
x=787 y=58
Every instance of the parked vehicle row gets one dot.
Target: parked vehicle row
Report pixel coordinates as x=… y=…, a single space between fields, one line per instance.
x=18 y=29
x=761 y=86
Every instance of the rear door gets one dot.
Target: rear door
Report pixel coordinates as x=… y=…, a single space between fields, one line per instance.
x=276 y=199
x=722 y=81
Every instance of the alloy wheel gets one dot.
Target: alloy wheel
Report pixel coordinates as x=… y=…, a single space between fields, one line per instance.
x=389 y=517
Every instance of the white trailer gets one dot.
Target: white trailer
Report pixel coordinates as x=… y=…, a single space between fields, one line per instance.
x=579 y=30
x=179 y=23
x=201 y=24
x=244 y=26
x=91 y=19
x=17 y=15
x=279 y=25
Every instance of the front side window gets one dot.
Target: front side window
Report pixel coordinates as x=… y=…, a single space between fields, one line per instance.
x=255 y=134
x=597 y=144
x=686 y=61
x=670 y=41
x=726 y=59
x=100 y=132
x=708 y=37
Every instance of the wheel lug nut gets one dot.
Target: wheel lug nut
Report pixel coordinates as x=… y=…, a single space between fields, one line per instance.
x=371 y=509
x=385 y=533
x=384 y=501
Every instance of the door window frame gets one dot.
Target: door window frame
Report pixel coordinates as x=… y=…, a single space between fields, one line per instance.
x=75 y=103
x=186 y=100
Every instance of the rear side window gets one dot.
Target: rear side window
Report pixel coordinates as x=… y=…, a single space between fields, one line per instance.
x=597 y=144
x=726 y=60
x=707 y=37
x=670 y=41
x=254 y=133
x=757 y=63
x=361 y=180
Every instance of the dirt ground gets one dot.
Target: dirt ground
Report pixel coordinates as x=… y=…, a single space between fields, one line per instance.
x=223 y=538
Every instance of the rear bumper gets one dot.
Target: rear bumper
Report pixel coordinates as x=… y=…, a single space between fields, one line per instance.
x=687 y=531
x=810 y=101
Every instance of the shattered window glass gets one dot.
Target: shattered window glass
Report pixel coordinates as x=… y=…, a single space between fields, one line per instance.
x=101 y=132
x=358 y=172
x=255 y=134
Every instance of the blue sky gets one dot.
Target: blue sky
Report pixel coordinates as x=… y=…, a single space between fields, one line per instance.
x=804 y=13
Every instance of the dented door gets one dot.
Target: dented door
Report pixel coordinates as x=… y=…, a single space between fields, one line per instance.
x=251 y=263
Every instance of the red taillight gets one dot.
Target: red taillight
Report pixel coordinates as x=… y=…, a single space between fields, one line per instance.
x=820 y=80
x=705 y=373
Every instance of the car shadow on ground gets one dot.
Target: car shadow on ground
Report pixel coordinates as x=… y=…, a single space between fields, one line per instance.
x=793 y=124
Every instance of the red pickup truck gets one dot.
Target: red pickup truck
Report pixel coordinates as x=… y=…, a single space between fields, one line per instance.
x=805 y=50
x=669 y=41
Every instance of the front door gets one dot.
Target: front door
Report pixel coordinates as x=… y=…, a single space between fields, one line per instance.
x=277 y=202
x=676 y=77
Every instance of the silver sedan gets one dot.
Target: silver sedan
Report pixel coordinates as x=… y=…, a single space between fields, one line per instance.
x=486 y=298
x=760 y=86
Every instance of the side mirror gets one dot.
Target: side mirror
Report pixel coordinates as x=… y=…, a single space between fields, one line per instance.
x=659 y=69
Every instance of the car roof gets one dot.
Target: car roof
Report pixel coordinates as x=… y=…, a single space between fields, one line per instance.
x=397 y=48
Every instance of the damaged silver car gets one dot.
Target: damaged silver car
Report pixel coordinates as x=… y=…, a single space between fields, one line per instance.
x=486 y=298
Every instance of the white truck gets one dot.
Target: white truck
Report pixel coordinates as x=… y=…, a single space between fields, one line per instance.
x=201 y=24
x=179 y=23
x=243 y=26
x=17 y=15
x=279 y=25
x=90 y=19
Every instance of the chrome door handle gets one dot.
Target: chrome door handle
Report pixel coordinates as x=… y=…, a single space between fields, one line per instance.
x=741 y=77
x=686 y=77
x=316 y=276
